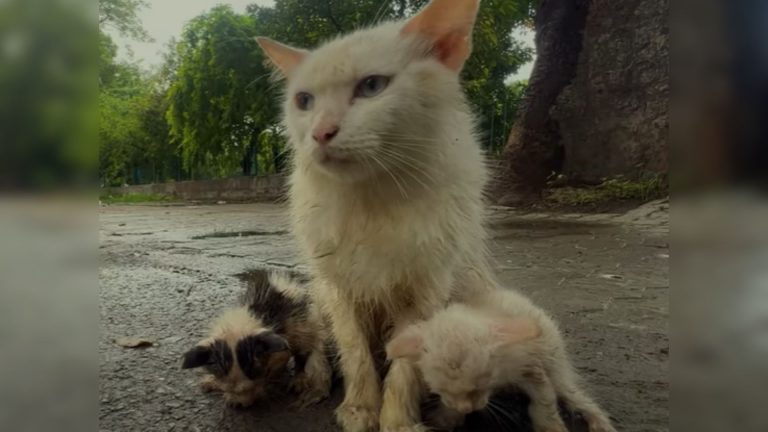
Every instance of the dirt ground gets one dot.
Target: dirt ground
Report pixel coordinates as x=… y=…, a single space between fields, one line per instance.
x=167 y=270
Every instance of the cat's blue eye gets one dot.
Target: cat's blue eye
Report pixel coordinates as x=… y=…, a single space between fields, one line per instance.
x=372 y=85
x=304 y=101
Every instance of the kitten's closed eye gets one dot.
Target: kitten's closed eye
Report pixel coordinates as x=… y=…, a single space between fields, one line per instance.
x=372 y=85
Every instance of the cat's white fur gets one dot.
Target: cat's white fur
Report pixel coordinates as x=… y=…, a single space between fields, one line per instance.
x=390 y=214
x=500 y=339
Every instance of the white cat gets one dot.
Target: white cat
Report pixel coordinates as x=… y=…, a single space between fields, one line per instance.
x=497 y=340
x=385 y=192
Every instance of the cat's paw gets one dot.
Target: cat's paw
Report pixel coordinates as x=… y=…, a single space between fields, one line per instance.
x=208 y=384
x=444 y=419
x=356 y=418
x=551 y=428
x=601 y=426
x=310 y=391
x=237 y=403
x=412 y=428
x=299 y=384
x=309 y=398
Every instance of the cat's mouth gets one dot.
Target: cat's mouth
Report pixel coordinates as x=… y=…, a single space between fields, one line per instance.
x=327 y=158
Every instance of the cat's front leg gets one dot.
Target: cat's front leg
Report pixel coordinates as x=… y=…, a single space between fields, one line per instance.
x=565 y=382
x=313 y=384
x=543 y=406
x=403 y=391
x=359 y=412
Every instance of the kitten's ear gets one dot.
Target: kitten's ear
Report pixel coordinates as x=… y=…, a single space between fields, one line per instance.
x=448 y=25
x=198 y=356
x=272 y=343
x=407 y=344
x=515 y=330
x=284 y=57
x=260 y=353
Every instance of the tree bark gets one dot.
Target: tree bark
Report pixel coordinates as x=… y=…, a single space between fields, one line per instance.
x=531 y=153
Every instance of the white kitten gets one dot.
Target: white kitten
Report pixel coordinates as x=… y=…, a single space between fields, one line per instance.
x=467 y=352
x=386 y=191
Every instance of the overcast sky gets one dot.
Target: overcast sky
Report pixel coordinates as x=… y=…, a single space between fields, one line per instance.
x=164 y=19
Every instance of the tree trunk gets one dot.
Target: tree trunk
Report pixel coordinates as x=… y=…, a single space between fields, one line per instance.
x=598 y=99
x=247 y=162
x=531 y=153
x=614 y=116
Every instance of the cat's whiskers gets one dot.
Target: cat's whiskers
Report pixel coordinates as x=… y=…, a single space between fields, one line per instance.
x=492 y=412
x=380 y=13
x=391 y=174
x=427 y=151
x=392 y=156
x=409 y=138
x=369 y=168
x=501 y=410
x=412 y=175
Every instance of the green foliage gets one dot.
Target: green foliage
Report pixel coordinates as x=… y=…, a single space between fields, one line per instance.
x=122 y=15
x=610 y=190
x=134 y=146
x=47 y=76
x=220 y=98
x=496 y=54
x=220 y=108
x=134 y=198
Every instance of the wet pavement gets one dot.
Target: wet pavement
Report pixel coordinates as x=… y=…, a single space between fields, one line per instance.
x=167 y=270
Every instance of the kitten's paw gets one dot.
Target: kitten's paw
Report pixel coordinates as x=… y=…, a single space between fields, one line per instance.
x=309 y=398
x=299 y=384
x=310 y=391
x=237 y=404
x=412 y=428
x=552 y=428
x=444 y=419
x=356 y=418
x=601 y=426
x=208 y=384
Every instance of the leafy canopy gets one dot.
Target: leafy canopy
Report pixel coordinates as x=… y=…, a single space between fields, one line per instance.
x=211 y=110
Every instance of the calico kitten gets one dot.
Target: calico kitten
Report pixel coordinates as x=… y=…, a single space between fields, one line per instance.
x=386 y=192
x=249 y=348
x=467 y=352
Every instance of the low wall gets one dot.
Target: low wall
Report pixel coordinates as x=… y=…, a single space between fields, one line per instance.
x=259 y=188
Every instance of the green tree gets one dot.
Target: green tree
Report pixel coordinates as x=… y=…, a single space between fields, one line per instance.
x=133 y=134
x=496 y=54
x=122 y=15
x=221 y=98
x=47 y=76
x=222 y=110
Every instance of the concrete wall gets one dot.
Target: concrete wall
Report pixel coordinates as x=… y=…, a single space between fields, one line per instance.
x=260 y=188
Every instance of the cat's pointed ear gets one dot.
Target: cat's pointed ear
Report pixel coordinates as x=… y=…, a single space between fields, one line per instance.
x=407 y=344
x=515 y=330
x=448 y=25
x=284 y=57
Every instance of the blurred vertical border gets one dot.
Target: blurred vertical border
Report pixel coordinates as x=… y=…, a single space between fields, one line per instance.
x=719 y=324
x=48 y=272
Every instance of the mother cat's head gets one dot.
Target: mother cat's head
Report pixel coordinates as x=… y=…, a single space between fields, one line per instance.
x=380 y=100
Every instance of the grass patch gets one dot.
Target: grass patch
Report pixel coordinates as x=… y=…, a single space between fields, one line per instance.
x=610 y=190
x=134 y=198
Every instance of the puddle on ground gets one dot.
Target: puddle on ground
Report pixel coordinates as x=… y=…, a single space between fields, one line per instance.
x=248 y=233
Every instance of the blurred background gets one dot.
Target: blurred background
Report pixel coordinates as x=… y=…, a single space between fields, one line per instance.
x=575 y=100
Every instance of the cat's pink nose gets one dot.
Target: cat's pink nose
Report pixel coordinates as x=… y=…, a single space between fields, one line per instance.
x=324 y=134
